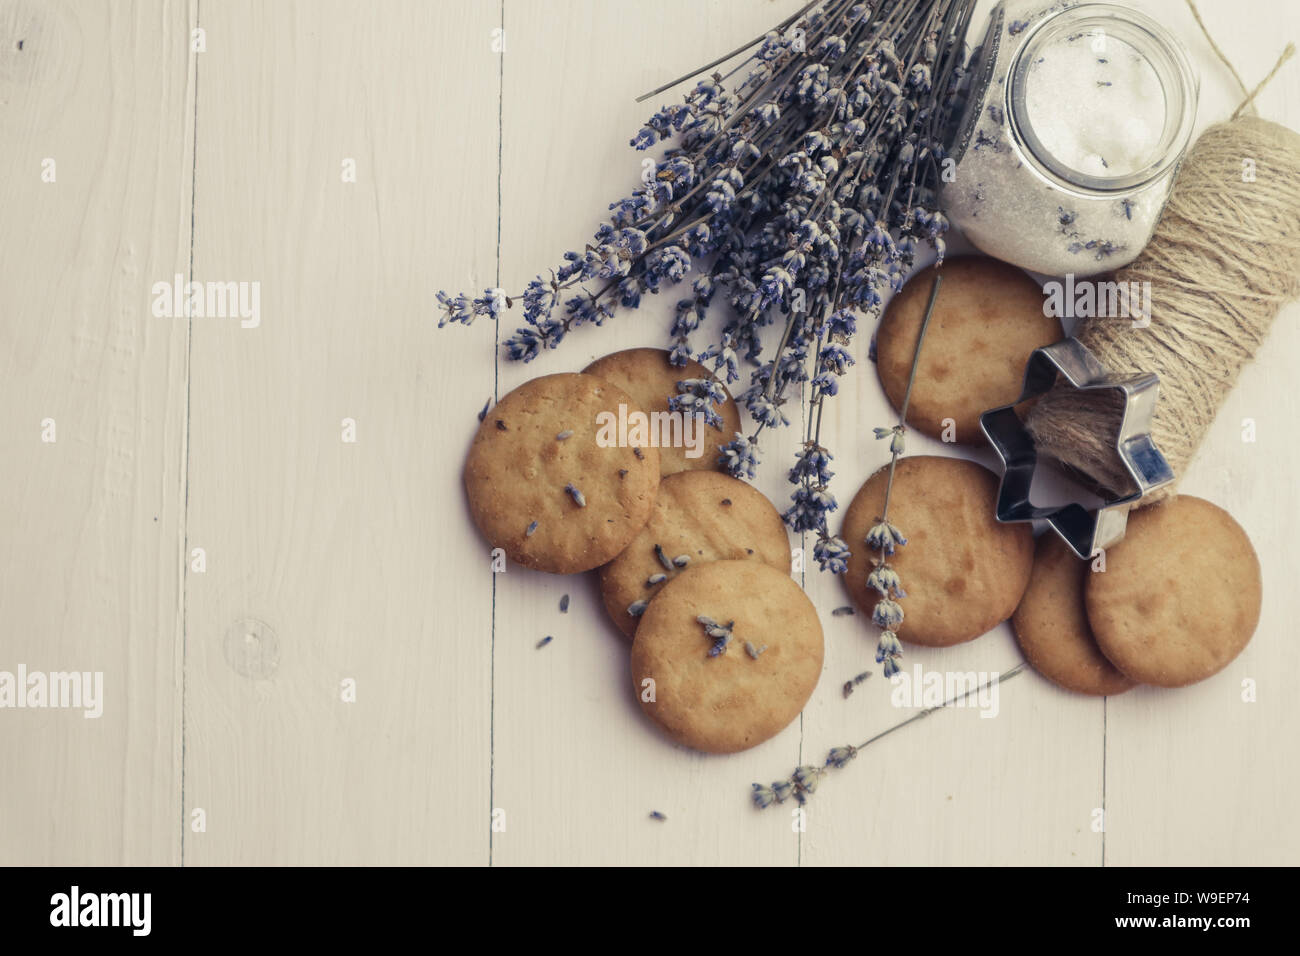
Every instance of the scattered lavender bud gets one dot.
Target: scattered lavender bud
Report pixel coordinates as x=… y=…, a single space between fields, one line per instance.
x=564 y=604
x=544 y=641
x=656 y=815
x=637 y=608
x=682 y=560
x=720 y=634
x=567 y=433
x=654 y=579
x=842 y=611
x=663 y=558
x=486 y=405
x=851 y=685
x=501 y=426
x=578 y=498
x=531 y=528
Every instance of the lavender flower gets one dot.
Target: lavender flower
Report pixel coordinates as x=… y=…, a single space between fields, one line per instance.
x=832 y=554
x=739 y=457
x=797 y=188
x=887 y=615
x=699 y=396
x=885 y=580
x=888 y=651
x=883 y=536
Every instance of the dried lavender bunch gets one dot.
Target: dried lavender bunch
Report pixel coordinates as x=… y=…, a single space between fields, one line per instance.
x=800 y=193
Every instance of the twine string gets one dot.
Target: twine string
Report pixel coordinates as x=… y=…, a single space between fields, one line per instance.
x=1224 y=259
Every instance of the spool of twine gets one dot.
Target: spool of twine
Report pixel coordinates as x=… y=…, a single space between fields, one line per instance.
x=1224 y=259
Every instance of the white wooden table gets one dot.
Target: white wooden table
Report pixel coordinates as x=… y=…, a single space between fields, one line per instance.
x=478 y=159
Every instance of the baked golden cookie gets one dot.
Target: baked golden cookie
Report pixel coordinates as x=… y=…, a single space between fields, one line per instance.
x=751 y=690
x=964 y=573
x=1180 y=596
x=646 y=375
x=1051 y=624
x=542 y=486
x=987 y=319
x=699 y=516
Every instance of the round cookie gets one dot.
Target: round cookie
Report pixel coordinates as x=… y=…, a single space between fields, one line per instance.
x=1180 y=596
x=731 y=701
x=647 y=376
x=964 y=573
x=703 y=516
x=986 y=321
x=1051 y=624
x=542 y=487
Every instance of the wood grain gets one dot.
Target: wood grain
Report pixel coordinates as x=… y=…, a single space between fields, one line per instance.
x=329 y=560
x=355 y=560
x=92 y=521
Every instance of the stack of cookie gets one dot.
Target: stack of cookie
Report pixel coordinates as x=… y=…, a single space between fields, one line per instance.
x=1172 y=604
x=694 y=565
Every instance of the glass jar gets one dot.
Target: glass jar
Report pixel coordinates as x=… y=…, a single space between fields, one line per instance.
x=1076 y=120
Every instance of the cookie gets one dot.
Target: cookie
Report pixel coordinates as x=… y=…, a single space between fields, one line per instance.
x=986 y=321
x=732 y=700
x=646 y=375
x=1180 y=596
x=964 y=573
x=1051 y=624
x=699 y=516
x=542 y=486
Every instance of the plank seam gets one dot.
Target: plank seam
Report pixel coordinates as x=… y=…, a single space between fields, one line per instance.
x=496 y=397
x=185 y=511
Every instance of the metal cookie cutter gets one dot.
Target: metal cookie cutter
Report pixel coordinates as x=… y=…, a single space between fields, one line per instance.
x=1083 y=530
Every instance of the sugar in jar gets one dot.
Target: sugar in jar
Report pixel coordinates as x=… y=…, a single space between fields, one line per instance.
x=1076 y=119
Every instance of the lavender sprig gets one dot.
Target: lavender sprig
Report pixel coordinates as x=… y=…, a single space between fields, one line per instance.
x=803 y=781
x=797 y=188
x=884 y=537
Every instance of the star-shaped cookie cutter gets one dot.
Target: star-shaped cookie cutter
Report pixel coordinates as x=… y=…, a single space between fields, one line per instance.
x=1085 y=531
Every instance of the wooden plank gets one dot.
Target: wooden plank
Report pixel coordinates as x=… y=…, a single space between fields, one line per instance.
x=1205 y=775
x=1017 y=787
x=578 y=768
x=95 y=115
x=330 y=560
x=1198 y=775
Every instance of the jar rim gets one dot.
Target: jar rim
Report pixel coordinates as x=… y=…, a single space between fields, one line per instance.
x=1170 y=63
